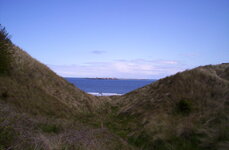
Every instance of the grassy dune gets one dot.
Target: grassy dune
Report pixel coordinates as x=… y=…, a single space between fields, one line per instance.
x=40 y=110
x=188 y=110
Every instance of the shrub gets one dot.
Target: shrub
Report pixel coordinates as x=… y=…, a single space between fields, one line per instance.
x=184 y=107
x=4 y=51
x=7 y=135
x=4 y=94
x=50 y=128
x=142 y=140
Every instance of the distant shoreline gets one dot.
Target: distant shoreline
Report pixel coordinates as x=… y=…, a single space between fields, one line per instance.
x=104 y=94
x=98 y=78
x=108 y=78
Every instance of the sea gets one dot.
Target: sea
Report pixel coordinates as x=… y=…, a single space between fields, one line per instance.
x=108 y=87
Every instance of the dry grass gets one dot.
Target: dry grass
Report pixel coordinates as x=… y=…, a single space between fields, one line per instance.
x=186 y=111
x=23 y=131
x=40 y=110
x=28 y=71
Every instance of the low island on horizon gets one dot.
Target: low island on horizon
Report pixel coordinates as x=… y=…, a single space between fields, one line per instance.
x=110 y=78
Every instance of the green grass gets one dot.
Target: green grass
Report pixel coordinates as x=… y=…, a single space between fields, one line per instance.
x=178 y=143
x=50 y=128
x=142 y=140
x=7 y=137
x=121 y=125
x=124 y=125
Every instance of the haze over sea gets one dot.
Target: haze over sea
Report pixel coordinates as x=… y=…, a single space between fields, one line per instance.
x=106 y=87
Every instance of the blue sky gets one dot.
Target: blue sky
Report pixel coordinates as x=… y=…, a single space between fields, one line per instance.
x=120 y=38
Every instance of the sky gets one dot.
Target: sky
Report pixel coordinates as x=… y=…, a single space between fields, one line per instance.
x=143 y=39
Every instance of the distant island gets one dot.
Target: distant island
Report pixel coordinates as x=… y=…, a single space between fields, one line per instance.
x=109 y=78
x=98 y=78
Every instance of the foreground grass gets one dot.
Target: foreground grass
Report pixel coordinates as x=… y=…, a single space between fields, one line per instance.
x=25 y=131
x=178 y=130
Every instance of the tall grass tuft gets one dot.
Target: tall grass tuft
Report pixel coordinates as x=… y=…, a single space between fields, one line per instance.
x=5 y=58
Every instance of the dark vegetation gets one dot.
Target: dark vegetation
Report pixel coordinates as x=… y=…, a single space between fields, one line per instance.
x=7 y=136
x=5 y=57
x=4 y=94
x=184 y=107
x=49 y=128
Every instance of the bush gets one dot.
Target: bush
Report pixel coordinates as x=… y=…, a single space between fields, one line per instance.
x=50 y=128
x=184 y=107
x=5 y=94
x=7 y=135
x=142 y=140
x=4 y=51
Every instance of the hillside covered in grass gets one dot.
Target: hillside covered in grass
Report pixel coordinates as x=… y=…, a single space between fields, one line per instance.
x=41 y=111
x=189 y=110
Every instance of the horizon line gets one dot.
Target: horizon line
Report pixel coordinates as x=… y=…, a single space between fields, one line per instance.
x=113 y=78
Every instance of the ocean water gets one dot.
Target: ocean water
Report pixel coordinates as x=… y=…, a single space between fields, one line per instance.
x=106 y=87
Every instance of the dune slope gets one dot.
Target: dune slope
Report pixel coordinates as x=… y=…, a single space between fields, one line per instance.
x=40 y=110
x=188 y=110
